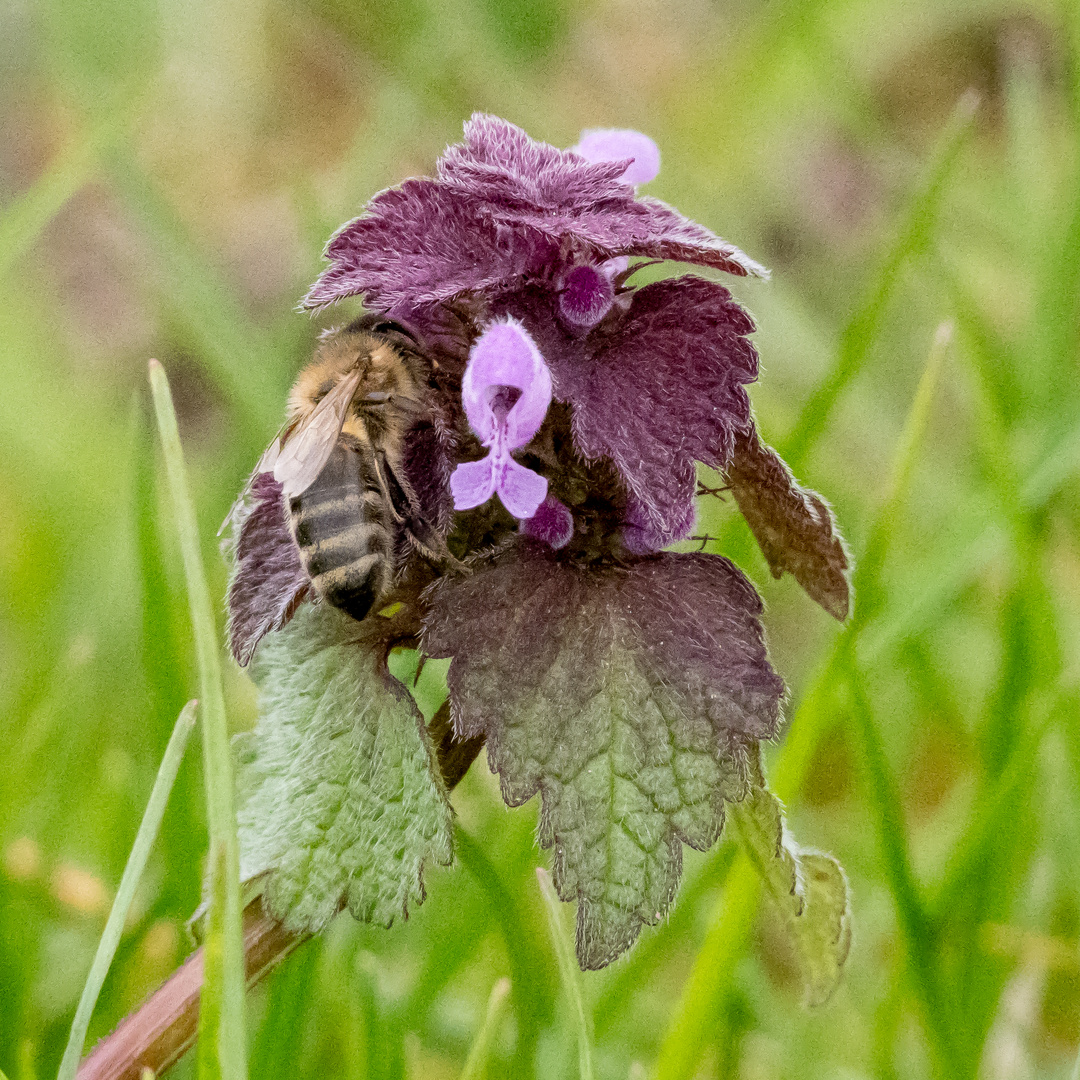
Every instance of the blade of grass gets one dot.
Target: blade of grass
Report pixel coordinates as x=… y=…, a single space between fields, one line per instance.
x=568 y=969
x=476 y=1062
x=884 y=796
x=869 y=568
x=243 y=360
x=996 y=806
x=992 y=856
x=532 y=1005
x=694 y=1018
x=288 y=1007
x=114 y=926
x=919 y=939
x=862 y=330
x=221 y=1016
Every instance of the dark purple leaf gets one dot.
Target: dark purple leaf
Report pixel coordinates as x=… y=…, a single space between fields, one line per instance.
x=268 y=579
x=793 y=525
x=504 y=206
x=654 y=391
x=421 y=243
x=629 y=697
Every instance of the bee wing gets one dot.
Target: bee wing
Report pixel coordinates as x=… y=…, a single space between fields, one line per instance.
x=265 y=464
x=306 y=449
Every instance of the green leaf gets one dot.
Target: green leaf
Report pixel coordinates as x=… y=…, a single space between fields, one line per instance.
x=628 y=697
x=810 y=889
x=341 y=797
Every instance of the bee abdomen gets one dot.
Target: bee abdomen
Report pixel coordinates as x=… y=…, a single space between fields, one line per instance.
x=340 y=527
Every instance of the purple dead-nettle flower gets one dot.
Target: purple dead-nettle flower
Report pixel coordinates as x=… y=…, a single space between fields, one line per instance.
x=586 y=295
x=627 y=685
x=619 y=144
x=514 y=227
x=506 y=391
x=552 y=523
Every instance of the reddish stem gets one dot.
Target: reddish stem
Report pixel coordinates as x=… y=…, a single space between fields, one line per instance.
x=164 y=1028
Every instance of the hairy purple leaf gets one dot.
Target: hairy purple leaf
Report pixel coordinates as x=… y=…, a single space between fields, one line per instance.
x=268 y=580
x=630 y=697
x=655 y=391
x=794 y=525
x=503 y=207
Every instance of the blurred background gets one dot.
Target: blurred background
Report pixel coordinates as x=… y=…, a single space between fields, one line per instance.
x=169 y=174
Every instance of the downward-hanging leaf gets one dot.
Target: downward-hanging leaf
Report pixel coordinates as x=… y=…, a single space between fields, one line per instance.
x=793 y=525
x=341 y=799
x=809 y=887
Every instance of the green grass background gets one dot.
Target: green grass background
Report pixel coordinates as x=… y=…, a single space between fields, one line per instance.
x=168 y=176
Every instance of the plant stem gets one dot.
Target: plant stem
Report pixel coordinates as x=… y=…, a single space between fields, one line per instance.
x=221 y=1020
x=140 y=851
x=165 y=1027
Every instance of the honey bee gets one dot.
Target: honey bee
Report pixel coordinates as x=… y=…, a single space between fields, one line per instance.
x=339 y=461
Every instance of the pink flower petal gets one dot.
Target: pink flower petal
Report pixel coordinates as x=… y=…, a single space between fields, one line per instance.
x=521 y=490
x=613 y=267
x=505 y=355
x=552 y=523
x=614 y=144
x=473 y=483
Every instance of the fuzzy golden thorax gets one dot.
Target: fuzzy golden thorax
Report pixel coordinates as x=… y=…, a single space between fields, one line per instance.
x=389 y=392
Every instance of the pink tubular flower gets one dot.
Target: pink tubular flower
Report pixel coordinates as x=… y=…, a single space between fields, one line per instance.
x=506 y=390
x=614 y=144
x=552 y=523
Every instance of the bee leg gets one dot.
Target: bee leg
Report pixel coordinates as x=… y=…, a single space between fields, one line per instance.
x=435 y=551
x=391 y=499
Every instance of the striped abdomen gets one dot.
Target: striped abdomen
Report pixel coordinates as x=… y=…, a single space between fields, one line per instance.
x=345 y=532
